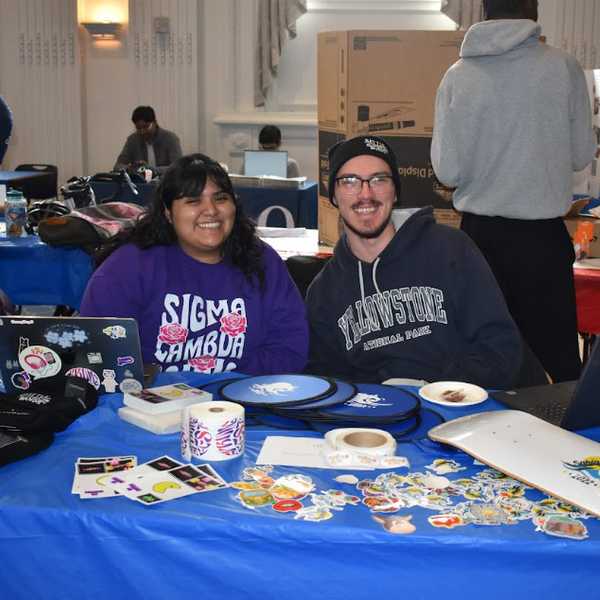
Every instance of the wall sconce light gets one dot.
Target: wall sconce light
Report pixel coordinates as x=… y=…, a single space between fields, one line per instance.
x=104 y=31
x=103 y=19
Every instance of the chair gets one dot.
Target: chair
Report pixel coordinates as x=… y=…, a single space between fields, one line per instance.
x=39 y=188
x=303 y=269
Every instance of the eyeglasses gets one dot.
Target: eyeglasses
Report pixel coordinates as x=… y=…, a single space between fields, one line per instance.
x=351 y=185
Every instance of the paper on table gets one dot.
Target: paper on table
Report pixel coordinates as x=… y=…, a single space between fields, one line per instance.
x=303 y=452
x=286 y=246
x=293 y=452
x=280 y=232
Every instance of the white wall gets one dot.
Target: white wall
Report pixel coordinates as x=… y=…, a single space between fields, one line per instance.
x=40 y=78
x=72 y=98
x=160 y=70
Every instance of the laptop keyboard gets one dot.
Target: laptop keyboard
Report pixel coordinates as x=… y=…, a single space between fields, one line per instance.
x=553 y=412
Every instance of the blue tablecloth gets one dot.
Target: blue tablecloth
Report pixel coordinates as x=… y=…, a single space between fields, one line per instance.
x=54 y=545
x=301 y=202
x=31 y=272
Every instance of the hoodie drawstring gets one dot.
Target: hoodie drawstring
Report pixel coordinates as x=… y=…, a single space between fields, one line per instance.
x=375 y=264
x=361 y=283
x=361 y=280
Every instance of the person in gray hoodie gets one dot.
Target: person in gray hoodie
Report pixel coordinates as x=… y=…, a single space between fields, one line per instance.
x=403 y=296
x=512 y=123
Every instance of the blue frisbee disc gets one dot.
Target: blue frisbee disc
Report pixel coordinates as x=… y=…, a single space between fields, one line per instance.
x=343 y=393
x=277 y=390
x=375 y=403
x=277 y=422
x=213 y=387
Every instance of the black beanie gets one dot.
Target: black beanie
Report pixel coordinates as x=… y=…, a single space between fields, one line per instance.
x=343 y=151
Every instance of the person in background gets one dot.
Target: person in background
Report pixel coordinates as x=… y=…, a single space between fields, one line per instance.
x=150 y=145
x=269 y=138
x=512 y=123
x=207 y=294
x=403 y=296
x=6 y=124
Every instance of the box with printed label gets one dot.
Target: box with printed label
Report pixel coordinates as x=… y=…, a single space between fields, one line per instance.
x=382 y=83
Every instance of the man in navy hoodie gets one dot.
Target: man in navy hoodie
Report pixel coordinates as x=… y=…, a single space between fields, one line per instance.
x=512 y=123
x=403 y=296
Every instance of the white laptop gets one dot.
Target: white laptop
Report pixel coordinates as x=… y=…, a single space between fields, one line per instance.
x=258 y=163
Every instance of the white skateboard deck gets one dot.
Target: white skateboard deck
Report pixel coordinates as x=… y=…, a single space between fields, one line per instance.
x=553 y=460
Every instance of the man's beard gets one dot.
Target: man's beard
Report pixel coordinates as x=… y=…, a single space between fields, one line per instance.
x=369 y=235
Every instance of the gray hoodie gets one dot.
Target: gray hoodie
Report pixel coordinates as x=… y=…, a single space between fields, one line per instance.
x=512 y=123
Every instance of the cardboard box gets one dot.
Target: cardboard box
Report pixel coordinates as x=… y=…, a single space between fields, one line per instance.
x=384 y=83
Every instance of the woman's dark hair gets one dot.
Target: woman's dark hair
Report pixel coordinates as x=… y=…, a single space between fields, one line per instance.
x=187 y=177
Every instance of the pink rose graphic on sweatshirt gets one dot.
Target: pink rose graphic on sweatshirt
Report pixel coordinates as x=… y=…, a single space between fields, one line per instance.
x=173 y=333
x=233 y=324
x=203 y=363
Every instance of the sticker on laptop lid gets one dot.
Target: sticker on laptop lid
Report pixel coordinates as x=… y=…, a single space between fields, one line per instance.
x=115 y=332
x=87 y=374
x=127 y=386
x=39 y=361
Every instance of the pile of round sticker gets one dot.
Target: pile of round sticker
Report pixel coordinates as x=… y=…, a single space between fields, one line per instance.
x=293 y=401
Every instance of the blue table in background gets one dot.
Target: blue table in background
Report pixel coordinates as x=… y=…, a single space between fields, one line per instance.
x=301 y=202
x=31 y=272
x=55 y=545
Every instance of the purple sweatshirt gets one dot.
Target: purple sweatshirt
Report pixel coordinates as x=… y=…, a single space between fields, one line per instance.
x=203 y=317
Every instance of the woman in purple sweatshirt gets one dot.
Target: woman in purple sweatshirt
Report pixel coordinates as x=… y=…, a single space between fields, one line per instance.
x=207 y=294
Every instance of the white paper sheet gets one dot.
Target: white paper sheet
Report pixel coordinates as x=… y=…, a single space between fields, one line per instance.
x=292 y=245
x=293 y=452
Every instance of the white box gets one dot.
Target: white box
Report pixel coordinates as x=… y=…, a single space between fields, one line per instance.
x=166 y=423
x=165 y=398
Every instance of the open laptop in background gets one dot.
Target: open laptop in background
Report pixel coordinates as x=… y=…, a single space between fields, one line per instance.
x=258 y=163
x=104 y=351
x=570 y=404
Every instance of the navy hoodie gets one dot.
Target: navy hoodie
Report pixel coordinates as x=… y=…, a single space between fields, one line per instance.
x=427 y=308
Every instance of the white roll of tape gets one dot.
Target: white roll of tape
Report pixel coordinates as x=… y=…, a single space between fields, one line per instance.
x=360 y=444
x=212 y=431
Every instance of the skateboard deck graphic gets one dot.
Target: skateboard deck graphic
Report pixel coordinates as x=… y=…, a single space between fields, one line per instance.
x=553 y=460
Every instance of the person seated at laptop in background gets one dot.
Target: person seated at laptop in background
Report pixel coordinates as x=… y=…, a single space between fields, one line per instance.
x=403 y=296
x=207 y=294
x=150 y=145
x=269 y=138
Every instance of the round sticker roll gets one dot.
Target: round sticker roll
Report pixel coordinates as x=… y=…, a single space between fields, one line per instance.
x=356 y=440
x=212 y=431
